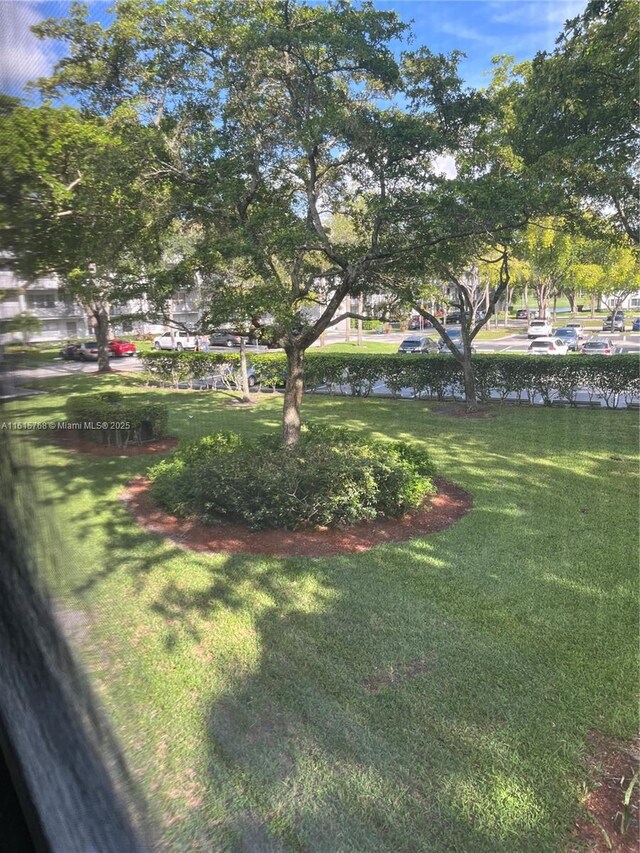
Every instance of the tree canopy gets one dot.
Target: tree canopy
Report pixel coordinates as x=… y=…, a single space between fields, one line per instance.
x=578 y=116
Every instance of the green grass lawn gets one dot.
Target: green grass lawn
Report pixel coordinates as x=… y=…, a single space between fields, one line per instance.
x=240 y=685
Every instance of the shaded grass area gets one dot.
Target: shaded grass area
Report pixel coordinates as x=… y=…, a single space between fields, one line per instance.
x=242 y=687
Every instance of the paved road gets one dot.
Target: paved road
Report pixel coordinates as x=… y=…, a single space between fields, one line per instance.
x=513 y=341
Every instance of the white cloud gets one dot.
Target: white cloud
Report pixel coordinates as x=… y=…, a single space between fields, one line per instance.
x=445 y=165
x=536 y=12
x=464 y=32
x=22 y=56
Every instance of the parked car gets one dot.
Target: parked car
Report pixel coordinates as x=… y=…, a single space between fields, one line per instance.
x=548 y=346
x=526 y=314
x=569 y=336
x=539 y=329
x=598 y=346
x=180 y=341
x=611 y=325
x=417 y=344
x=120 y=348
x=577 y=325
x=416 y=323
x=70 y=352
x=636 y=324
x=456 y=338
x=454 y=317
x=224 y=339
x=87 y=351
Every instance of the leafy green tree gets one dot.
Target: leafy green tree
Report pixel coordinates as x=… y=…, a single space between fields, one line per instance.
x=490 y=199
x=72 y=202
x=545 y=246
x=578 y=117
x=621 y=277
x=278 y=117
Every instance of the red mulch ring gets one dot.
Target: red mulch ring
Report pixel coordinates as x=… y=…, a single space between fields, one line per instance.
x=612 y=766
x=74 y=440
x=440 y=512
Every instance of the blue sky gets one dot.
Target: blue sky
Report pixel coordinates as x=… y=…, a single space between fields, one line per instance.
x=479 y=28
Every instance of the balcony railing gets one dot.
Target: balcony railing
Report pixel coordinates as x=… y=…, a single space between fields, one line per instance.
x=57 y=310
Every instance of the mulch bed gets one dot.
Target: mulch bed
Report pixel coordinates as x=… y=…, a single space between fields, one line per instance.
x=612 y=767
x=74 y=440
x=440 y=512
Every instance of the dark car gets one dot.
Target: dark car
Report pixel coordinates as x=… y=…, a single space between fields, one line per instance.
x=636 y=324
x=224 y=339
x=598 y=347
x=70 y=352
x=418 y=345
x=229 y=339
x=526 y=314
x=417 y=323
x=611 y=325
x=568 y=336
x=456 y=338
x=454 y=317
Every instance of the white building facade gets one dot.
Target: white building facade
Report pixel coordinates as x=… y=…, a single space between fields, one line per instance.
x=63 y=318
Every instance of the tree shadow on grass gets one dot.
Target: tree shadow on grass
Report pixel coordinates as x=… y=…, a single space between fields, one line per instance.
x=527 y=646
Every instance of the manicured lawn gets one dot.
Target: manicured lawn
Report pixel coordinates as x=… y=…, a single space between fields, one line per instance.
x=249 y=692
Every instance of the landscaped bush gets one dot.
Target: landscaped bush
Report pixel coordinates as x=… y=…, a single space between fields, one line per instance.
x=116 y=419
x=436 y=376
x=331 y=477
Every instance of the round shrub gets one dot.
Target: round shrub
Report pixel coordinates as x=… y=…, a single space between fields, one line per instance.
x=331 y=477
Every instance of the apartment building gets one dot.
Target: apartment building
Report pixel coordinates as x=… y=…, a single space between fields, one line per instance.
x=63 y=318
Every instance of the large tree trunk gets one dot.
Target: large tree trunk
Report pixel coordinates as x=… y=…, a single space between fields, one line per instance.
x=507 y=306
x=102 y=336
x=244 y=376
x=469 y=382
x=292 y=396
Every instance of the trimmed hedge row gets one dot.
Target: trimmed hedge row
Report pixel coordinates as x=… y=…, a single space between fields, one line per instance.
x=115 y=419
x=526 y=377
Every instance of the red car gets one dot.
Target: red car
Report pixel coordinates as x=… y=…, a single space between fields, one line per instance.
x=121 y=348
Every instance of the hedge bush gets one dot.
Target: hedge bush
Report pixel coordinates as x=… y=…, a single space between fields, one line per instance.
x=614 y=378
x=116 y=419
x=331 y=477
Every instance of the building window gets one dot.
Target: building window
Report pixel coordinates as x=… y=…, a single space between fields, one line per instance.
x=634 y=302
x=41 y=298
x=127 y=326
x=50 y=326
x=72 y=328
